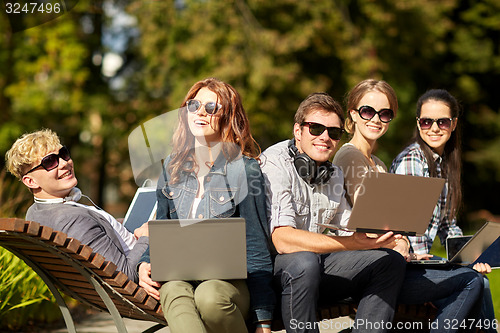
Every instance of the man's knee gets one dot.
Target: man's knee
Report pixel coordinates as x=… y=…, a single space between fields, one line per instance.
x=303 y=267
x=390 y=263
x=394 y=259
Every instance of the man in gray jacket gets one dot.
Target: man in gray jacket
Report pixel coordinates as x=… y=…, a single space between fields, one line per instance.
x=45 y=166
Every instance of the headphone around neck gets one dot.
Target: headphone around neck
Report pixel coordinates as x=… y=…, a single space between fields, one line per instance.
x=307 y=168
x=73 y=196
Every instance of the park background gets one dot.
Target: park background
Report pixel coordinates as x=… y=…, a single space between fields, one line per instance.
x=96 y=72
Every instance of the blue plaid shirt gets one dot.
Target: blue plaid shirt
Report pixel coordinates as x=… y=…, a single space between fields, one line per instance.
x=412 y=161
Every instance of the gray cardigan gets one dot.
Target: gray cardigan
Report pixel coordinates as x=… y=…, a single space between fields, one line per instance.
x=91 y=229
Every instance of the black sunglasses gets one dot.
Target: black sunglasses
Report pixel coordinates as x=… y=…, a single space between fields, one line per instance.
x=366 y=112
x=193 y=105
x=335 y=133
x=443 y=123
x=51 y=161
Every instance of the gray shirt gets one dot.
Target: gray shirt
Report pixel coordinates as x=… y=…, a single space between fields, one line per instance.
x=91 y=229
x=291 y=201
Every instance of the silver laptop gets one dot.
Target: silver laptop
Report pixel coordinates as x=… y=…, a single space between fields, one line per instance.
x=483 y=246
x=391 y=202
x=142 y=209
x=478 y=244
x=198 y=249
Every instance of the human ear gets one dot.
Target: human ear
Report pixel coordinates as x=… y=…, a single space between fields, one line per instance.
x=354 y=114
x=30 y=182
x=454 y=123
x=297 y=132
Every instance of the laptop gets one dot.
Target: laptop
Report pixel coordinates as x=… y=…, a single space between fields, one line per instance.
x=142 y=209
x=198 y=249
x=389 y=202
x=483 y=246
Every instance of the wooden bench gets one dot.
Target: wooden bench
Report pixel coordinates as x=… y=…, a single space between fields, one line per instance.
x=71 y=267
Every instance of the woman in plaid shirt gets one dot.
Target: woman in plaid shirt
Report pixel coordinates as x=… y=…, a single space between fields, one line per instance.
x=436 y=152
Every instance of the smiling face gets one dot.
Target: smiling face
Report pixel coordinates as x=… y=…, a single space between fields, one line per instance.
x=373 y=129
x=56 y=183
x=320 y=148
x=202 y=125
x=435 y=137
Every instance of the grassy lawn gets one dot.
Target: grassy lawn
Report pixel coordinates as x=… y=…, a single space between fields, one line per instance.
x=494 y=276
x=495 y=290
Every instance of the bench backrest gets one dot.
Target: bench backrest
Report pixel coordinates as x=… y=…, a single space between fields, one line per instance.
x=68 y=264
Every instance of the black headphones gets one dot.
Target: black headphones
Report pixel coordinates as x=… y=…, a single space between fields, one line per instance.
x=307 y=168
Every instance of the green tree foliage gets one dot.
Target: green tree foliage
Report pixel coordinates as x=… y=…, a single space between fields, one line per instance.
x=276 y=53
x=52 y=78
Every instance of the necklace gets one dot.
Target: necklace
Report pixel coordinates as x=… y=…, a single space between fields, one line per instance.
x=209 y=164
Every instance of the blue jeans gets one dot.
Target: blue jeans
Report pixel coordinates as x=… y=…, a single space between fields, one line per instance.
x=456 y=291
x=373 y=277
x=487 y=314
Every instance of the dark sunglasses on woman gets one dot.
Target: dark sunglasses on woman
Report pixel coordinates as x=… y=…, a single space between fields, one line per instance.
x=443 y=123
x=193 y=105
x=51 y=161
x=335 y=133
x=366 y=112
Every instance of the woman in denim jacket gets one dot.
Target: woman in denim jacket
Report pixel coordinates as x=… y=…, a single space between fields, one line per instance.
x=212 y=172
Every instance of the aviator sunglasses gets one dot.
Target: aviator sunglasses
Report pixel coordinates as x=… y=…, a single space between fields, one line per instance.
x=193 y=105
x=335 y=133
x=443 y=123
x=51 y=161
x=366 y=112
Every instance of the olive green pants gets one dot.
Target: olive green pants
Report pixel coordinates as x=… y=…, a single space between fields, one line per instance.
x=213 y=306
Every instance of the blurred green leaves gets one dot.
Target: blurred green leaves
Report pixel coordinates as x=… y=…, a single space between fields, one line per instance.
x=274 y=53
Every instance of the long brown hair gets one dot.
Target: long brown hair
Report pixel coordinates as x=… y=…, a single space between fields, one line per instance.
x=452 y=164
x=232 y=121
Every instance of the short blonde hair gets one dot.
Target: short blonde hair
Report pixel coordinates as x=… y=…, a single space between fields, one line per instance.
x=29 y=149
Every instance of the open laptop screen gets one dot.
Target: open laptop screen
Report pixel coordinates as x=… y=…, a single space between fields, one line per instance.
x=455 y=244
x=391 y=202
x=142 y=208
x=198 y=249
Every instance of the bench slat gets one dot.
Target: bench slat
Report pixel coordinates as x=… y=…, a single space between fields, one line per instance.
x=12 y=224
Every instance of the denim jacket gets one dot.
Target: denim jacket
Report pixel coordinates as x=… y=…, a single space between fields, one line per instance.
x=232 y=189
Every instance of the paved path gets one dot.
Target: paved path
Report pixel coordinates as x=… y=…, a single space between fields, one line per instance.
x=103 y=323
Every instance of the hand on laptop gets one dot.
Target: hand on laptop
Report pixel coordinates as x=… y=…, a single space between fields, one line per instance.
x=365 y=241
x=146 y=282
x=143 y=230
x=482 y=268
x=426 y=256
x=403 y=248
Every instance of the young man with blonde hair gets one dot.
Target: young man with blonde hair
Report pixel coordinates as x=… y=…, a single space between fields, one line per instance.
x=45 y=166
